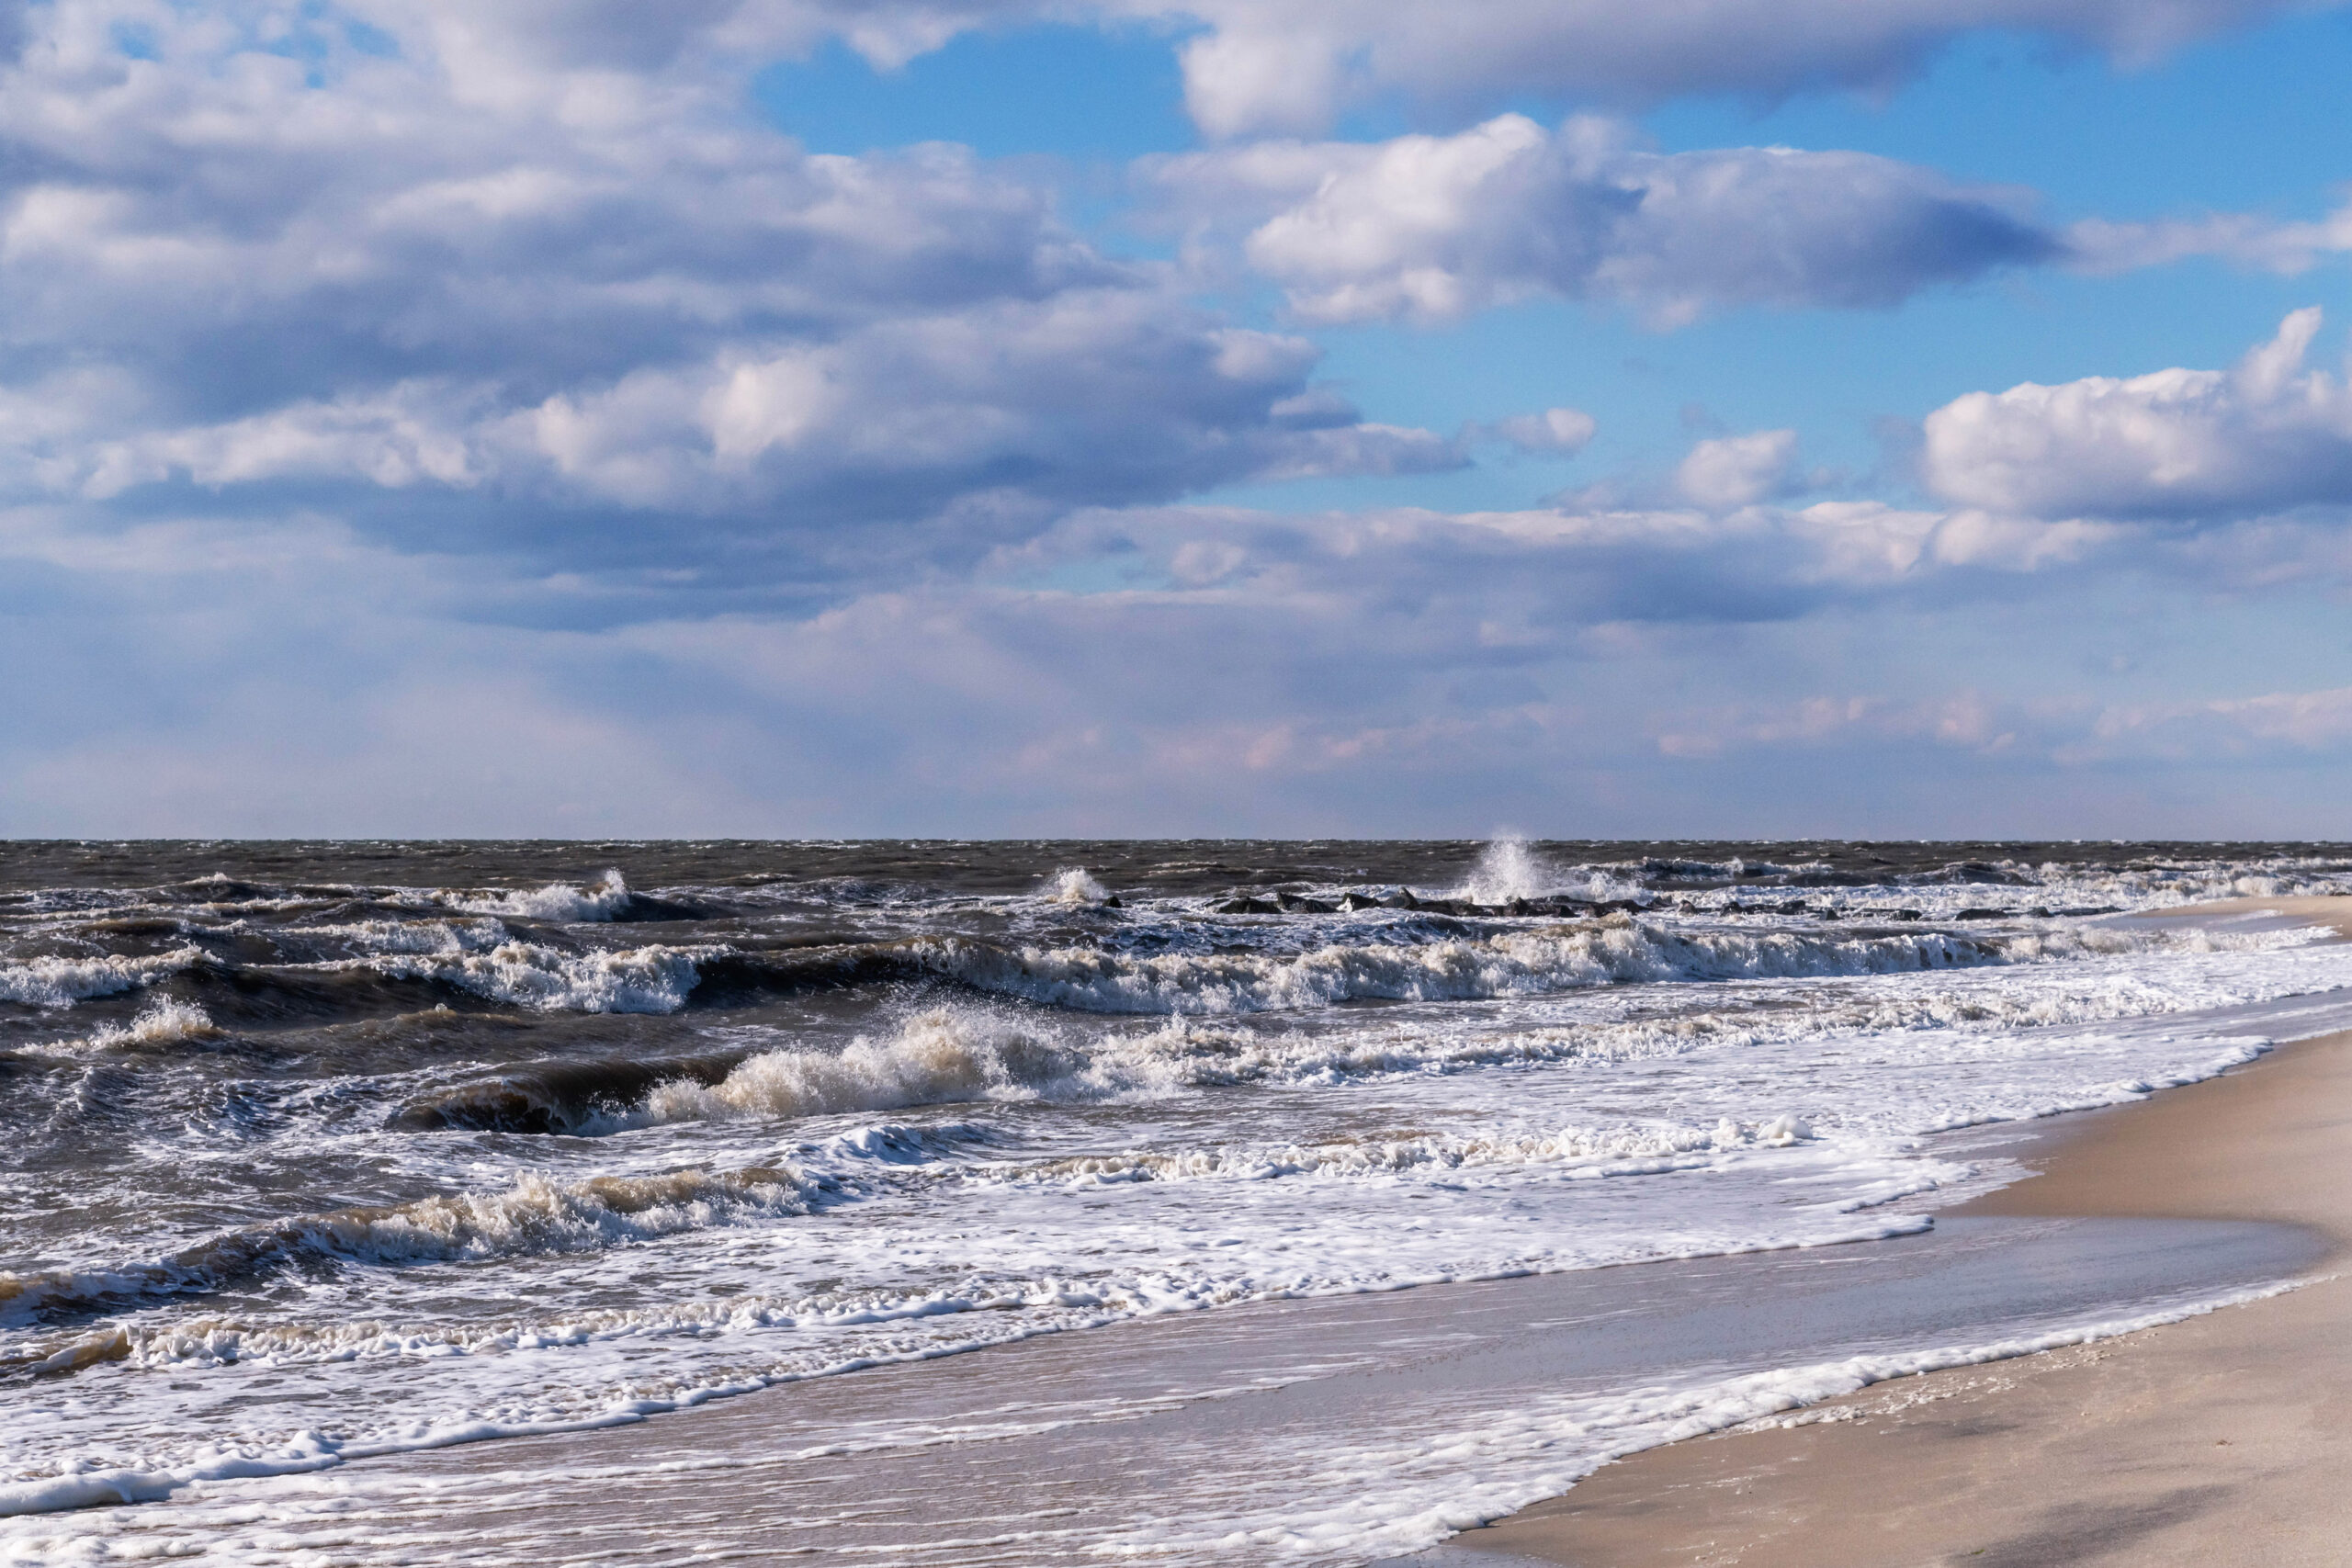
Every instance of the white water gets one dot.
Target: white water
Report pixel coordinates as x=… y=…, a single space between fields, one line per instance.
x=1077 y=1136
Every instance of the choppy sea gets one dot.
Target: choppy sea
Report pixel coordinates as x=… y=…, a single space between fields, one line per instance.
x=316 y=1151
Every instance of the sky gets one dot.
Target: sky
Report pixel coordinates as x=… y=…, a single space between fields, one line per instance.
x=995 y=418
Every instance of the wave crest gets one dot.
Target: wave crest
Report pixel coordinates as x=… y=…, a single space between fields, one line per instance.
x=162 y=1022
x=1626 y=1149
x=600 y=901
x=535 y=1216
x=59 y=982
x=656 y=978
x=943 y=1056
x=1525 y=962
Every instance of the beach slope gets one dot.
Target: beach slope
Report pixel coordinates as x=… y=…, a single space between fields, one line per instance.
x=2224 y=1440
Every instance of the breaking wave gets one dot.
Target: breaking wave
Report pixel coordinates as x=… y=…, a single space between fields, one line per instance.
x=954 y=1053
x=604 y=899
x=943 y=1056
x=1411 y=956
x=557 y=1097
x=59 y=982
x=532 y=975
x=534 y=1216
x=1623 y=1150
x=1449 y=967
x=1511 y=964
x=162 y=1023
x=854 y=1087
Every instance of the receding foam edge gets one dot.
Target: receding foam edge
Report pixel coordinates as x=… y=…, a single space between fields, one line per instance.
x=1728 y=1403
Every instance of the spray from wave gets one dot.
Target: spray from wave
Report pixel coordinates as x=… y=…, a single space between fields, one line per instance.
x=1073 y=884
x=1507 y=869
x=1510 y=870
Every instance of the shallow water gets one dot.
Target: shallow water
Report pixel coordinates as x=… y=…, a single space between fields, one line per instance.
x=1329 y=1430
x=317 y=1151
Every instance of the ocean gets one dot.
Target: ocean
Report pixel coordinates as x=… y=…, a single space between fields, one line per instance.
x=318 y=1153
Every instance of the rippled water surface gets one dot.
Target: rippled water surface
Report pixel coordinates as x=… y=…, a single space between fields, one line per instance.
x=315 y=1150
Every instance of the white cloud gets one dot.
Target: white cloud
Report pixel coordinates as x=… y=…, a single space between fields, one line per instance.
x=1738 y=470
x=1553 y=432
x=1963 y=720
x=410 y=434
x=2185 y=444
x=1257 y=66
x=1269 y=65
x=2066 y=731
x=541 y=254
x=2292 y=722
x=1376 y=672
x=1293 y=66
x=1431 y=226
x=1545 y=578
x=2245 y=240
x=788 y=493
x=1091 y=397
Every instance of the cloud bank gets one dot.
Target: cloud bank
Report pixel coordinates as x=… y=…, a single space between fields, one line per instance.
x=417 y=418
x=438 y=260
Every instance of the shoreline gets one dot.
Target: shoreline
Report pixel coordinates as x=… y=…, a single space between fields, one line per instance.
x=2215 y=1440
x=1041 y=1450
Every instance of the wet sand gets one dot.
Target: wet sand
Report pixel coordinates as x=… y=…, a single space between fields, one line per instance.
x=2222 y=1439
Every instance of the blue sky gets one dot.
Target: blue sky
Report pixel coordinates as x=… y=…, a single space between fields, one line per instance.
x=1743 y=417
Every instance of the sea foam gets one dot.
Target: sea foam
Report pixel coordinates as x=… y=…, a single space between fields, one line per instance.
x=59 y=981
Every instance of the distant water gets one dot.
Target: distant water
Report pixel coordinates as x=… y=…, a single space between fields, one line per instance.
x=310 y=1151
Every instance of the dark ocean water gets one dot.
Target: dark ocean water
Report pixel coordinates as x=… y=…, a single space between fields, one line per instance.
x=310 y=1149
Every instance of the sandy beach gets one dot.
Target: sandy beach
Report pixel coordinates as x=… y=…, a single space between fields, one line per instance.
x=2216 y=1441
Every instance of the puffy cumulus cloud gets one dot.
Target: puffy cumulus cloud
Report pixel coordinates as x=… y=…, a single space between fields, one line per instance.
x=1431 y=227
x=521 y=273
x=1093 y=396
x=207 y=201
x=2266 y=434
x=1293 y=66
x=1738 y=470
x=780 y=494
x=540 y=256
